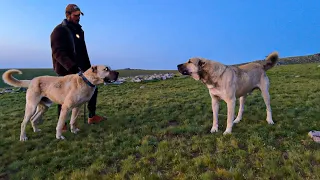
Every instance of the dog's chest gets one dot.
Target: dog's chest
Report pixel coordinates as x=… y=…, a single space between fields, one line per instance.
x=215 y=92
x=209 y=86
x=85 y=96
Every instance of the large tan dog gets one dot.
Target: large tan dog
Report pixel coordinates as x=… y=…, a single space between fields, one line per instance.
x=70 y=91
x=231 y=82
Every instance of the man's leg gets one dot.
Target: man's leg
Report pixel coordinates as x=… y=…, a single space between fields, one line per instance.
x=92 y=104
x=59 y=109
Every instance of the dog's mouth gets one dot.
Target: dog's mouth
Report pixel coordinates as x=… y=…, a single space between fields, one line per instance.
x=113 y=77
x=183 y=70
x=106 y=80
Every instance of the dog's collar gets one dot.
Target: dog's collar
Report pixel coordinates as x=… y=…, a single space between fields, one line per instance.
x=86 y=80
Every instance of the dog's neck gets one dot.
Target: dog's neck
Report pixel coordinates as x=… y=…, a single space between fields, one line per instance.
x=85 y=79
x=210 y=78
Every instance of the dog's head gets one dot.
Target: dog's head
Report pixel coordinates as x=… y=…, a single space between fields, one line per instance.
x=101 y=74
x=202 y=69
x=193 y=67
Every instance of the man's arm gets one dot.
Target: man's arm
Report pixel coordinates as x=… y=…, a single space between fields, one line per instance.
x=85 y=49
x=59 y=41
x=87 y=55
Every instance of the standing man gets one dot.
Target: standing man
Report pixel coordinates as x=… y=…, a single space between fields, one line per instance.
x=69 y=53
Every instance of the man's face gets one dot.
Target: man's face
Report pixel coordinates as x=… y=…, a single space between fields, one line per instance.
x=75 y=17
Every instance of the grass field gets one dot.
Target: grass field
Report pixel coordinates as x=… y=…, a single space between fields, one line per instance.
x=162 y=131
x=31 y=73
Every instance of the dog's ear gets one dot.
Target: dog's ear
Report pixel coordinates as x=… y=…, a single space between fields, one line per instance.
x=201 y=63
x=94 y=68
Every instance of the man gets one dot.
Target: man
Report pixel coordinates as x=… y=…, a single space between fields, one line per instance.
x=69 y=53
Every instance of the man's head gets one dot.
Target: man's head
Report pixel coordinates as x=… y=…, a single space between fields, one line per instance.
x=73 y=13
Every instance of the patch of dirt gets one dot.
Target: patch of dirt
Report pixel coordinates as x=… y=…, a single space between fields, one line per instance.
x=138 y=156
x=173 y=123
x=152 y=160
x=4 y=176
x=285 y=155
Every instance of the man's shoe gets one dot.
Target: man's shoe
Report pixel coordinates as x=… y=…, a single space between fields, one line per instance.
x=95 y=119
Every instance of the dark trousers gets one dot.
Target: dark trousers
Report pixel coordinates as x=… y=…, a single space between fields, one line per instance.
x=92 y=104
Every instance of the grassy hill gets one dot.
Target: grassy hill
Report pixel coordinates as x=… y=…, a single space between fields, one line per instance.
x=161 y=131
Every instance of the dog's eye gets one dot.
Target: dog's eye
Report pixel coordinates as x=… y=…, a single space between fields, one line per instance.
x=106 y=69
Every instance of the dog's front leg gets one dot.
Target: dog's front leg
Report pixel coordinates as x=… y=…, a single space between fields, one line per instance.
x=62 y=118
x=74 y=116
x=231 y=105
x=215 y=110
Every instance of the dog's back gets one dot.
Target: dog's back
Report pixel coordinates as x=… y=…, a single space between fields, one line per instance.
x=251 y=75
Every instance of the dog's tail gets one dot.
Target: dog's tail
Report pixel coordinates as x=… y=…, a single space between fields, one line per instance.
x=271 y=60
x=9 y=79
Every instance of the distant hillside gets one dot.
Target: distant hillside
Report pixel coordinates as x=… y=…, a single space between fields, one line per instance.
x=314 y=58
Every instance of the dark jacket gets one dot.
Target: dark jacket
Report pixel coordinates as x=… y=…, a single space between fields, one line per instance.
x=66 y=56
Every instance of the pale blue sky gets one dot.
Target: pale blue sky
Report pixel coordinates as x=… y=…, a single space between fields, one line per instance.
x=153 y=34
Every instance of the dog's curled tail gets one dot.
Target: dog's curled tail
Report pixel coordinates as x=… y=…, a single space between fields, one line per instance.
x=9 y=79
x=271 y=60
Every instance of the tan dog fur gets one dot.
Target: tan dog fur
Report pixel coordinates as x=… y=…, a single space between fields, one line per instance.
x=231 y=82
x=70 y=91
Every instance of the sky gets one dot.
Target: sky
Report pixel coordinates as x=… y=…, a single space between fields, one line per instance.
x=149 y=34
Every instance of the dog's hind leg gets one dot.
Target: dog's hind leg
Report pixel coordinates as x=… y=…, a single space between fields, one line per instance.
x=31 y=105
x=264 y=87
x=242 y=100
x=42 y=107
x=74 y=115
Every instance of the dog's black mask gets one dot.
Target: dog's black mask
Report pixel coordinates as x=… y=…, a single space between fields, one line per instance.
x=113 y=77
x=182 y=69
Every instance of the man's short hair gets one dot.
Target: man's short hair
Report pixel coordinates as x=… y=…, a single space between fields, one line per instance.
x=72 y=8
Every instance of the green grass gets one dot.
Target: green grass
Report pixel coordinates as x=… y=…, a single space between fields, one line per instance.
x=161 y=131
x=31 y=73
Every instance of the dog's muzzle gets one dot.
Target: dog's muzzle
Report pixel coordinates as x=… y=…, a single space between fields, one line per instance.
x=182 y=69
x=112 y=78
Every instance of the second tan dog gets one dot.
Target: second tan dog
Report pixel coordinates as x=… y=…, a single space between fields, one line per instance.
x=231 y=82
x=70 y=91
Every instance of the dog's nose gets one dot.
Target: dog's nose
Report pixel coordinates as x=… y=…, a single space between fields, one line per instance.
x=117 y=73
x=179 y=65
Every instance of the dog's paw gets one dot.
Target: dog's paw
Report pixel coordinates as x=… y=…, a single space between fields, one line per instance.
x=60 y=137
x=236 y=120
x=227 y=131
x=75 y=130
x=23 y=138
x=214 y=129
x=37 y=130
x=270 y=122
